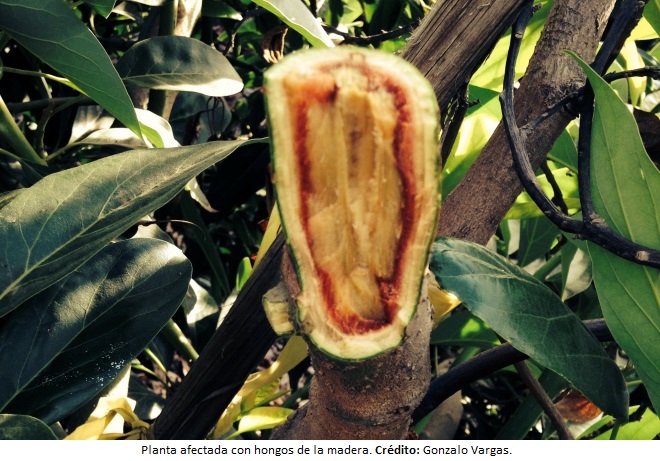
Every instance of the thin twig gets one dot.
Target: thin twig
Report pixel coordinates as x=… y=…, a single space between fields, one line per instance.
x=372 y=39
x=592 y=227
x=482 y=365
x=557 y=196
x=453 y=124
x=543 y=400
x=565 y=102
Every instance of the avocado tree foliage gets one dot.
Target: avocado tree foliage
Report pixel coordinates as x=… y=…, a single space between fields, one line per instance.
x=135 y=201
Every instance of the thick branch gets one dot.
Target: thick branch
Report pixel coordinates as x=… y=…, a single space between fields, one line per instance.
x=477 y=205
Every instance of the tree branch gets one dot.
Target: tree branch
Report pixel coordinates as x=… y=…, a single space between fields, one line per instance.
x=592 y=227
x=482 y=365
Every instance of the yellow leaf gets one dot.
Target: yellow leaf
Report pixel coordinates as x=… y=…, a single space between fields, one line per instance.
x=262 y=418
x=95 y=427
x=293 y=353
x=443 y=302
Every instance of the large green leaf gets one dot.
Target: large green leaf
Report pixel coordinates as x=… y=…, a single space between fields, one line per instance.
x=626 y=193
x=23 y=427
x=56 y=225
x=50 y=30
x=647 y=428
x=65 y=344
x=297 y=16
x=179 y=63
x=531 y=317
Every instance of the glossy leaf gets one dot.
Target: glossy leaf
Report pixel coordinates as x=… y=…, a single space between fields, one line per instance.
x=296 y=15
x=531 y=317
x=103 y=7
x=45 y=233
x=70 y=341
x=23 y=427
x=50 y=30
x=626 y=193
x=179 y=63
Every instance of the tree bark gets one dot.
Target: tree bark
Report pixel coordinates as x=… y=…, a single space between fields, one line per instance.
x=477 y=205
x=368 y=399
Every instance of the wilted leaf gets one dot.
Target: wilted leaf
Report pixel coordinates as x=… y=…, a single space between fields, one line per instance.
x=67 y=343
x=48 y=230
x=179 y=63
x=531 y=317
x=297 y=16
x=50 y=30
x=625 y=186
x=23 y=427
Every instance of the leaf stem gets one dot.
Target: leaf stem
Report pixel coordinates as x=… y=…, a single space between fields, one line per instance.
x=178 y=339
x=33 y=73
x=14 y=138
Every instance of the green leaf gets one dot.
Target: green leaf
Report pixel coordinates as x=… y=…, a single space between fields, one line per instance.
x=652 y=14
x=536 y=237
x=54 y=226
x=296 y=15
x=181 y=64
x=464 y=329
x=524 y=206
x=219 y=9
x=50 y=30
x=103 y=7
x=531 y=317
x=626 y=193
x=23 y=427
x=70 y=341
x=646 y=428
x=564 y=152
x=576 y=274
x=490 y=74
x=243 y=273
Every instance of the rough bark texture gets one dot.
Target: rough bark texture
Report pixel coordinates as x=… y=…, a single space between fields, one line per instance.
x=369 y=399
x=455 y=38
x=477 y=205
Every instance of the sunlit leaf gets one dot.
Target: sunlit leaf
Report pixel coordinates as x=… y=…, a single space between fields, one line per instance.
x=179 y=63
x=490 y=74
x=652 y=15
x=262 y=418
x=23 y=427
x=531 y=317
x=50 y=30
x=70 y=341
x=625 y=186
x=524 y=206
x=646 y=428
x=575 y=271
x=296 y=15
x=47 y=230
